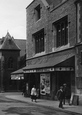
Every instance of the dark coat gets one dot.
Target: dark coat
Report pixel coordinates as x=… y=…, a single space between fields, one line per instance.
x=67 y=93
x=60 y=94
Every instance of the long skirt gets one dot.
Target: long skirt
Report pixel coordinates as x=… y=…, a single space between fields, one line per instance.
x=33 y=97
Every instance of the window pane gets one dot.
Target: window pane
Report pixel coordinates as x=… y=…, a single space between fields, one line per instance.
x=66 y=32
x=62 y=32
x=58 y=35
x=39 y=41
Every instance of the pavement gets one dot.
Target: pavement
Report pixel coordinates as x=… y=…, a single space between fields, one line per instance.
x=48 y=103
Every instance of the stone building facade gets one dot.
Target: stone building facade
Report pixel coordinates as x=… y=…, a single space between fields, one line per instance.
x=54 y=46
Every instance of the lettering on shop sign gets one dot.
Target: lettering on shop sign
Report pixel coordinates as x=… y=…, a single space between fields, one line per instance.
x=50 y=69
x=64 y=69
x=39 y=70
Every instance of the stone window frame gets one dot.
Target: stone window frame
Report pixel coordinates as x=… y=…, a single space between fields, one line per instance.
x=39 y=41
x=61 y=28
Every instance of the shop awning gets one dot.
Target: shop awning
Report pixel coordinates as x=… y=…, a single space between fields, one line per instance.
x=51 y=62
x=17 y=75
x=19 y=71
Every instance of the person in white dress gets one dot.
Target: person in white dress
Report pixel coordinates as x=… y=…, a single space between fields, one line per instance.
x=33 y=93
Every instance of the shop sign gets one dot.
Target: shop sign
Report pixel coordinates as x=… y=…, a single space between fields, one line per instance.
x=44 y=84
x=50 y=69
x=39 y=70
x=64 y=69
x=45 y=70
x=30 y=71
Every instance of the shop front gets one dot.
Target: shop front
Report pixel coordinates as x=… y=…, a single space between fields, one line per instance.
x=50 y=74
x=49 y=82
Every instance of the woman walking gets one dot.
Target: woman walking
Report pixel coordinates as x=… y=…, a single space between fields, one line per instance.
x=33 y=93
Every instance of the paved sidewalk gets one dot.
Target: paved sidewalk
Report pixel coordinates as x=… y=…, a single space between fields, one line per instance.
x=48 y=103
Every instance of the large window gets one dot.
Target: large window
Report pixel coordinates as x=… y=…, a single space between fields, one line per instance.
x=61 y=32
x=37 y=13
x=39 y=41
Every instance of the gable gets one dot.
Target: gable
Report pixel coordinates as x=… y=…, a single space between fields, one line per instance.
x=8 y=43
x=45 y=2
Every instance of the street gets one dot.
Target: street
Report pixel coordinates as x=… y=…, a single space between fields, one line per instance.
x=14 y=107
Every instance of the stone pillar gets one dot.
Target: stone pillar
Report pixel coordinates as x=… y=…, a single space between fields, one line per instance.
x=78 y=66
x=78 y=4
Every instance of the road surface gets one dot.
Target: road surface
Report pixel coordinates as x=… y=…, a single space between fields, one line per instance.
x=14 y=107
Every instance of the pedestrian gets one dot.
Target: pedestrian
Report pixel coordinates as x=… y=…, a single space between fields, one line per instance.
x=26 y=89
x=64 y=91
x=67 y=93
x=23 y=89
x=33 y=93
x=38 y=93
x=60 y=96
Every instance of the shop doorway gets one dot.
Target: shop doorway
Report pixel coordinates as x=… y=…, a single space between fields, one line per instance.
x=34 y=80
x=63 y=78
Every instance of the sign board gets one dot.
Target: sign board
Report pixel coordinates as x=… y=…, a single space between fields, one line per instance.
x=44 y=84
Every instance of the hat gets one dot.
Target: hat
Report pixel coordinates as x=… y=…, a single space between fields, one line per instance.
x=61 y=87
x=64 y=84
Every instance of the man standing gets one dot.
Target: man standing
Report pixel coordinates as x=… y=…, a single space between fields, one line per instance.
x=67 y=93
x=64 y=91
x=60 y=96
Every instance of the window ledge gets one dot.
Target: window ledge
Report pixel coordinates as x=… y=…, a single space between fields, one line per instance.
x=60 y=48
x=37 y=20
x=39 y=54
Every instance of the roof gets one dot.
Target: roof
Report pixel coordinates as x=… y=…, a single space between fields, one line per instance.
x=19 y=71
x=45 y=2
x=48 y=3
x=16 y=44
x=8 y=43
x=22 y=45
